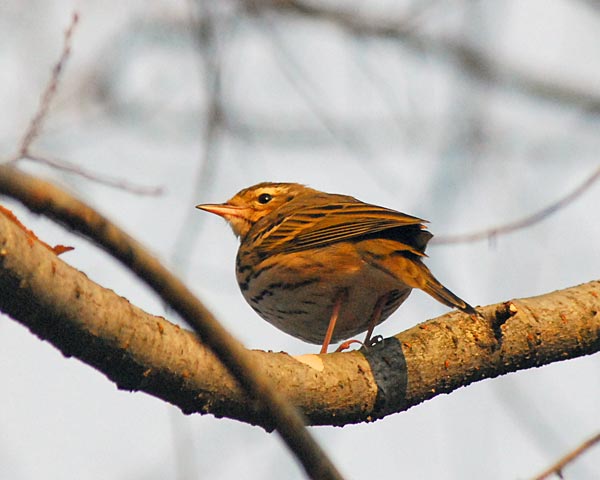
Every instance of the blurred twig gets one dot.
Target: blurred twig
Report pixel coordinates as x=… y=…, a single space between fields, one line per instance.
x=35 y=126
x=470 y=59
x=206 y=34
x=593 y=4
x=558 y=467
x=36 y=122
x=298 y=77
x=104 y=180
x=528 y=221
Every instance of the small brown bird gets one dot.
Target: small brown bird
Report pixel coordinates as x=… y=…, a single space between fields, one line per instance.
x=324 y=267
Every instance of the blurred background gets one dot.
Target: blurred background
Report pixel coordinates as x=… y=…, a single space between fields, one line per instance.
x=470 y=114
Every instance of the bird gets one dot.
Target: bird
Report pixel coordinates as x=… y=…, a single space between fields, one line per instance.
x=325 y=267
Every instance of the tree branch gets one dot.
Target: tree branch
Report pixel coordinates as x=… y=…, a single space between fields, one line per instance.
x=268 y=403
x=525 y=222
x=139 y=351
x=107 y=180
x=470 y=59
x=558 y=467
x=37 y=122
x=51 y=87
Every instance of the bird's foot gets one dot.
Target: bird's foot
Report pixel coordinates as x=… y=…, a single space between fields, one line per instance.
x=374 y=342
x=371 y=343
x=347 y=343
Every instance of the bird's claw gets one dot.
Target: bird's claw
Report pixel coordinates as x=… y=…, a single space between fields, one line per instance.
x=346 y=345
x=373 y=342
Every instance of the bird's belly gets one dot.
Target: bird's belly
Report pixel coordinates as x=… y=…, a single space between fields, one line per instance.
x=297 y=292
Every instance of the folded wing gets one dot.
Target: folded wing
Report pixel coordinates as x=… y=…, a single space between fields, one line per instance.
x=320 y=225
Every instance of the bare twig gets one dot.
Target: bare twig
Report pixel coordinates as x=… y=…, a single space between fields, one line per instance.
x=206 y=33
x=36 y=122
x=298 y=77
x=108 y=181
x=593 y=4
x=470 y=59
x=47 y=199
x=528 y=221
x=558 y=467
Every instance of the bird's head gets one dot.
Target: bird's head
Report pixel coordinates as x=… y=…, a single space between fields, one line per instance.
x=251 y=204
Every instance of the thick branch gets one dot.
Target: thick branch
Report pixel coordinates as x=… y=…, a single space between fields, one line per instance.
x=139 y=351
x=267 y=401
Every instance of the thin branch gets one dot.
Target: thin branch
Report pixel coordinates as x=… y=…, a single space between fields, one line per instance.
x=492 y=233
x=139 y=351
x=36 y=124
x=206 y=35
x=269 y=403
x=470 y=59
x=93 y=176
x=37 y=121
x=298 y=78
x=558 y=467
x=593 y=4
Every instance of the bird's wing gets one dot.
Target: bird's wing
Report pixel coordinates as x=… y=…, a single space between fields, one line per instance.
x=320 y=225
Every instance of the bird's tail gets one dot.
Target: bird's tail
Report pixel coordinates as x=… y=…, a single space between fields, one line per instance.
x=416 y=275
x=434 y=288
x=410 y=270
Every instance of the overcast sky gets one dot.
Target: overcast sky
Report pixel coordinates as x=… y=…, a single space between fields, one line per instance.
x=449 y=120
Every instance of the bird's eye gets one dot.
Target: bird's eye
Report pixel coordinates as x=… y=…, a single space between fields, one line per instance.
x=264 y=198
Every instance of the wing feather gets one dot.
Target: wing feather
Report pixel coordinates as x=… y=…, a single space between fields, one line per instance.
x=320 y=225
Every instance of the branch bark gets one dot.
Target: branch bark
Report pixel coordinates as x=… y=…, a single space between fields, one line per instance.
x=140 y=351
x=43 y=197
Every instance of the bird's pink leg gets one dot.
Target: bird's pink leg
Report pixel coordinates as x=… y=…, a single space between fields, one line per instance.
x=377 y=311
x=373 y=321
x=334 y=316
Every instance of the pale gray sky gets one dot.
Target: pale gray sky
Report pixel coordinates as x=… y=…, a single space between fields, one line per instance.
x=403 y=122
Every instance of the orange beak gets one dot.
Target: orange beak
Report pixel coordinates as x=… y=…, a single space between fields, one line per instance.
x=223 y=210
